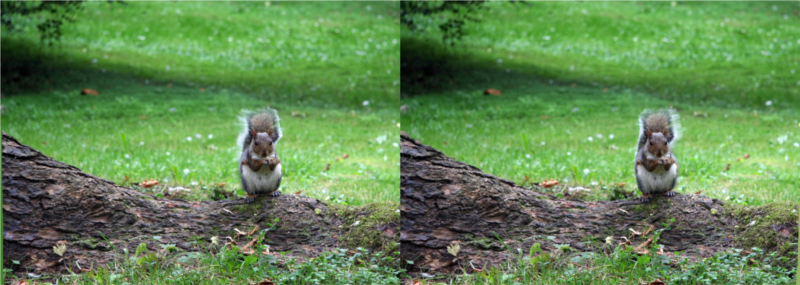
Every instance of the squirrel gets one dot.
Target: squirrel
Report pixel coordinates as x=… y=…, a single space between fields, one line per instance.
x=656 y=166
x=260 y=167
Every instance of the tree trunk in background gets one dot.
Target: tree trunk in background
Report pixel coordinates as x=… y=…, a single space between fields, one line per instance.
x=445 y=202
x=46 y=202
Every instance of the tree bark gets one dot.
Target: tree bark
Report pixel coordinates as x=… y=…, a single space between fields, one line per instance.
x=47 y=202
x=445 y=202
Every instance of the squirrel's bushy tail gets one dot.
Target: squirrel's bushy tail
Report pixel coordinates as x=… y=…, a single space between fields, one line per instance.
x=663 y=121
x=262 y=121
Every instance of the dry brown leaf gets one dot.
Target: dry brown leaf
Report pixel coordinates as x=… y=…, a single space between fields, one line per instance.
x=605 y=89
x=746 y=156
x=648 y=230
x=327 y=166
x=265 y=282
x=345 y=156
x=548 y=184
x=87 y=91
x=727 y=167
x=221 y=184
x=621 y=184
x=642 y=248
x=492 y=91
x=634 y=232
x=698 y=192
x=298 y=192
x=148 y=184
x=202 y=89
x=256 y=229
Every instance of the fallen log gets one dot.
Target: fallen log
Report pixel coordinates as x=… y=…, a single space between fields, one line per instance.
x=444 y=202
x=48 y=203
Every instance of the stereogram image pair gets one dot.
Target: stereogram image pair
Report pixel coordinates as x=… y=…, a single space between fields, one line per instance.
x=413 y=142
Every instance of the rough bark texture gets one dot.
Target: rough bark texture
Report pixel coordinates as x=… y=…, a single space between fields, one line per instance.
x=46 y=202
x=444 y=202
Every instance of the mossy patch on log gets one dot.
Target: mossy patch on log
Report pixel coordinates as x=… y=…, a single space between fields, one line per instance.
x=374 y=226
x=769 y=226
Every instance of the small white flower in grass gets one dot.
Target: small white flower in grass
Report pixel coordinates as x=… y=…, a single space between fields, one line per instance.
x=94 y=60
x=210 y=136
x=186 y=171
x=499 y=60
x=356 y=223
x=765 y=53
x=395 y=145
x=796 y=144
x=394 y=83
x=769 y=103
x=178 y=11
x=782 y=139
x=599 y=136
x=194 y=183
x=167 y=153
x=609 y=240
x=230 y=39
x=67 y=125
x=751 y=224
x=546 y=38
x=211 y=109
x=388 y=71
x=380 y=139
x=569 y=153
x=167 y=68
x=469 y=125
x=586 y=171
x=775 y=8
x=594 y=183
x=172 y=109
x=611 y=136
x=365 y=103
x=141 y=38
x=590 y=139
x=635 y=39
x=189 y=138
x=528 y=156
x=141 y=143
x=575 y=109
x=214 y=240
x=198 y=136
x=542 y=143
x=127 y=155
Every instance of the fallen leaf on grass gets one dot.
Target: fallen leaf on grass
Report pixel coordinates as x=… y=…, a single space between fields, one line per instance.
x=327 y=166
x=642 y=248
x=148 y=184
x=345 y=156
x=548 y=184
x=746 y=156
x=265 y=282
x=298 y=192
x=493 y=92
x=727 y=166
x=87 y=91
x=698 y=192
x=256 y=228
x=634 y=232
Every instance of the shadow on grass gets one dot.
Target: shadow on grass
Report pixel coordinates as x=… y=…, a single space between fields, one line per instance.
x=28 y=68
x=428 y=68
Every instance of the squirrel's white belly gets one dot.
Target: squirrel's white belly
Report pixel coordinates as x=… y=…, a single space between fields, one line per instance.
x=658 y=181
x=264 y=181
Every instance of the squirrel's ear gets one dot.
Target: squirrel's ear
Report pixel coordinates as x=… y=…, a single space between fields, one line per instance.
x=648 y=133
x=253 y=133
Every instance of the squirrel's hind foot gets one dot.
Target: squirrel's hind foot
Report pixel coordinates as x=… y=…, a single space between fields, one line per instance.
x=670 y=193
x=275 y=194
x=645 y=199
x=250 y=198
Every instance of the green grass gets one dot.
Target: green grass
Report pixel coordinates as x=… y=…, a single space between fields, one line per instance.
x=621 y=265
x=168 y=104
x=565 y=97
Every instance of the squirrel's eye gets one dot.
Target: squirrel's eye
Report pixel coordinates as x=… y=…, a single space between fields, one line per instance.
x=651 y=143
